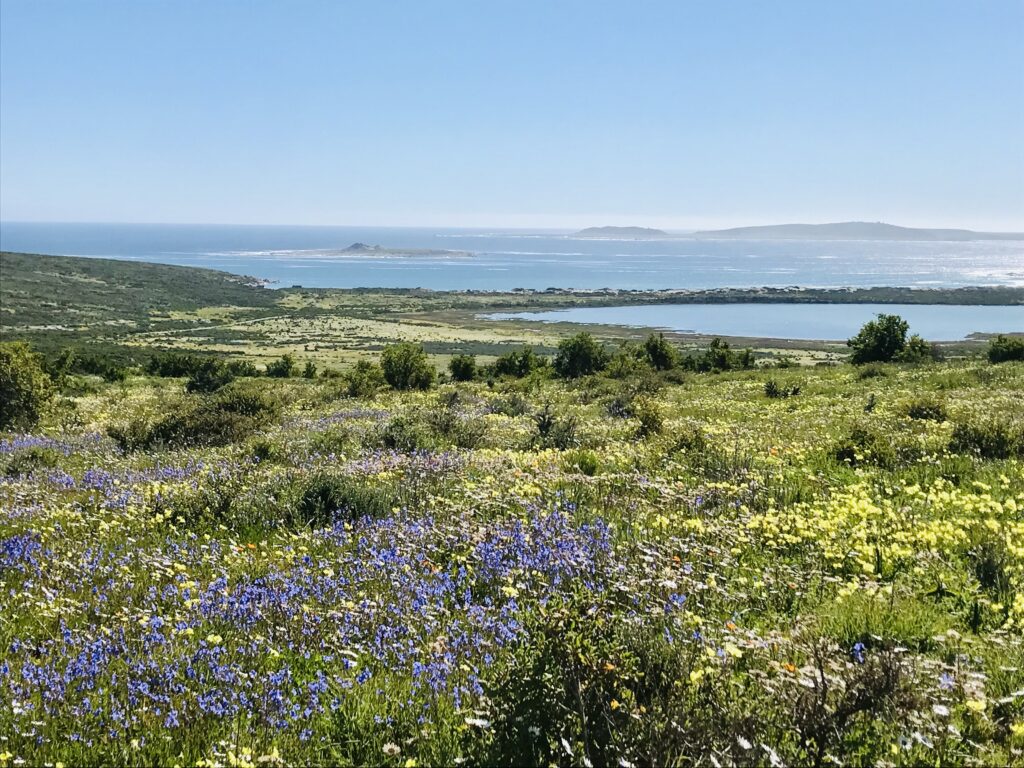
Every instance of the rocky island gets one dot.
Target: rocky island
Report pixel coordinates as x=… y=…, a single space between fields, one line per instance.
x=634 y=233
x=362 y=249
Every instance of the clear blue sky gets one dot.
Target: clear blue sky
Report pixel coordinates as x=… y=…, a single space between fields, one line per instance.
x=549 y=113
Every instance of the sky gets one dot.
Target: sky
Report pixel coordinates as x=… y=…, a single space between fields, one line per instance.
x=516 y=114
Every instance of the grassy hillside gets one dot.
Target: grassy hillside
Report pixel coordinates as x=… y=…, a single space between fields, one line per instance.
x=78 y=293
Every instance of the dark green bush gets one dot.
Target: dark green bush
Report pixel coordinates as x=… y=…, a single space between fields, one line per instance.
x=773 y=390
x=25 y=387
x=580 y=355
x=884 y=340
x=309 y=372
x=718 y=357
x=282 y=368
x=989 y=437
x=229 y=416
x=327 y=498
x=404 y=433
x=27 y=460
x=518 y=363
x=365 y=379
x=925 y=408
x=661 y=355
x=1003 y=349
x=552 y=430
x=865 y=445
x=406 y=367
x=462 y=367
x=210 y=376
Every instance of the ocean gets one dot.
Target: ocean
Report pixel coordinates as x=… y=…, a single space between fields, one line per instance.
x=509 y=259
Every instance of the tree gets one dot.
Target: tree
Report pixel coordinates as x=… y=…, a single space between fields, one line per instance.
x=211 y=375
x=462 y=367
x=660 y=354
x=364 y=379
x=25 y=387
x=880 y=340
x=518 y=363
x=406 y=366
x=282 y=368
x=580 y=355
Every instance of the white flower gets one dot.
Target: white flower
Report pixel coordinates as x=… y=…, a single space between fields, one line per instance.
x=566 y=746
x=941 y=710
x=743 y=742
x=479 y=722
x=391 y=749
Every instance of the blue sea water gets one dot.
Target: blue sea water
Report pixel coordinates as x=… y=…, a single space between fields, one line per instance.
x=790 y=321
x=504 y=260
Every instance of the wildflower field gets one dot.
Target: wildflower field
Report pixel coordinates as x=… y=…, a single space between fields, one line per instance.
x=816 y=565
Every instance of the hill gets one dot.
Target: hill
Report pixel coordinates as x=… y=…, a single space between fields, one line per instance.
x=852 y=230
x=75 y=293
x=619 y=232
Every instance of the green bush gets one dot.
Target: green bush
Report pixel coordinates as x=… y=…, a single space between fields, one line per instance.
x=881 y=340
x=580 y=355
x=925 y=408
x=990 y=437
x=406 y=367
x=406 y=434
x=309 y=372
x=462 y=367
x=364 y=380
x=660 y=354
x=1003 y=349
x=518 y=363
x=27 y=460
x=327 y=498
x=282 y=368
x=650 y=417
x=227 y=417
x=210 y=376
x=25 y=387
x=718 y=357
x=552 y=430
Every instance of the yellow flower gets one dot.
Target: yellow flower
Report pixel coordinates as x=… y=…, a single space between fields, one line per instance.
x=976 y=705
x=214 y=639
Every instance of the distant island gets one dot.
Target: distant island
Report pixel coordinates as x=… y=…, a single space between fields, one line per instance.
x=362 y=249
x=630 y=232
x=851 y=230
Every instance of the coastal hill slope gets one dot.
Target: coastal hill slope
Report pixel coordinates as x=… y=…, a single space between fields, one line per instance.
x=852 y=230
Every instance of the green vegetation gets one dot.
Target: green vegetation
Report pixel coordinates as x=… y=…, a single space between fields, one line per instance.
x=442 y=546
x=25 y=387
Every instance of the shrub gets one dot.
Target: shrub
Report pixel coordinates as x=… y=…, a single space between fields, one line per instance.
x=865 y=445
x=210 y=376
x=282 y=368
x=917 y=350
x=242 y=368
x=173 y=365
x=719 y=356
x=871 y=371
x=650 y=416
x=406 y=367
x=365 y=379
x=327 y=498
x=403 y=433
x=554 y=431
x=660 y=354
x=309 y=372
x=228 y=417
x=1004 y=348
x=462 y=367
x=774 y=391
x=880 y=340
x=988 y=437
x=580 y=355
x=25 y=387
x=28 y=460
x=925 y=408
x=518 y=363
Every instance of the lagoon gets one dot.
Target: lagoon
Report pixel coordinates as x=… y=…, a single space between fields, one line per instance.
x=826 y=322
